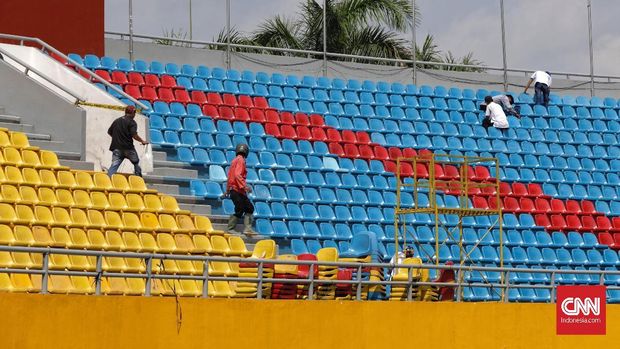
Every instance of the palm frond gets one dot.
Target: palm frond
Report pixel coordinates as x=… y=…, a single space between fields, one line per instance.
x=394 y=14
x=376 y=41
x=278 y=32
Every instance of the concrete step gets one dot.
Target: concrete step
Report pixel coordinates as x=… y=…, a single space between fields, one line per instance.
x=175 y=172
x=78 y=165
x=10 y=119
x=174 y=164
x=39 y=137
x=68 y=155
x=54 y=146
x=159 y=156
x=204 y=210
x=169 y=189
x=17 y=127
x=2 y=110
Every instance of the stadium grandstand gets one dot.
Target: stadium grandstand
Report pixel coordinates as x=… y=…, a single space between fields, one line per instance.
x=347 y=170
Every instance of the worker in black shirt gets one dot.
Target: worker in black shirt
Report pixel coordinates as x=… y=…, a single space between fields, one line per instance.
x=123 y=132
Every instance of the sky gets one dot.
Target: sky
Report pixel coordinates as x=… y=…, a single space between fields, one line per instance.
x=540 y=34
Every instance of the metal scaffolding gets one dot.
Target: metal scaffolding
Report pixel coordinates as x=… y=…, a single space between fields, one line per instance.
x=432 y=176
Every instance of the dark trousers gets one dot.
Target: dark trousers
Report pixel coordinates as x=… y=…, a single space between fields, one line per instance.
x=242 y=204
x=119 y=155
x=541 y=93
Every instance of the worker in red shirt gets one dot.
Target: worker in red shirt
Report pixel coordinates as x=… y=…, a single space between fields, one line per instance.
x=237 y=189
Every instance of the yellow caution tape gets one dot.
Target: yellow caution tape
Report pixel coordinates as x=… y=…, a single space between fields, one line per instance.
x=105 y=106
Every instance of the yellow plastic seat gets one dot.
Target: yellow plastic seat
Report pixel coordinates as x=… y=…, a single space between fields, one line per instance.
x=13 y=175
x=10 y=194
x=25 y=260
x=47 y=197
x=137 y=183
x=204 y=223
x=122 y=286
x=186 y=223
x=135 y=286
x=188 y=288
x=115 y=240
x=79 y=239
x=6 y=260
x=220 y=269
x=48 y=179
x=8 y=214
x=66 y=179
x=135 y=265
x=148 y=243
x=64 y=198
x=45 y=216
x=170 y=204
x=26 y=283
x=5 y=140
x=152 y=202
x=115 y=264
x=132 y=241
x=219 y=245
x=220 y=289
x=79 y=218
x=83 y=263
x=114 y=221
x=5 y=283
x=59 y=261
x=83 y=285
x=84 y=180
x=134 y=203
x=23 y=236
x=60 y=284
x=43 y=238
x=20 y=140
x=237 y=247
x=168 y=222
x=103 y=182
x=31 y=177
x=161 y=287
x=99 y=200
x=96 y=239
x=166 y=243
x=187 y=267
x=97 y=220
x=81 y=198
x=121 y=183
x=149 y=221
x=50 y=160
x=265 y=249
x=165 y=266
x=132 y=222
x=31 y=159
x=63 y=218
x=12 y=157
x=117 y=202
x=290 y=269
x=25 y=214
x=61 y=237
x=29 y=196
x=186 y=245
x=6 y=235
x=202 y=243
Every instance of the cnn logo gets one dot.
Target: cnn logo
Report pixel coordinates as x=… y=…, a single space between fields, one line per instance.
x=581 y=310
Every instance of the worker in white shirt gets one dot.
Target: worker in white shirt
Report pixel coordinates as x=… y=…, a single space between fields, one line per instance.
x=508 y=104
x=542 y=83
x=400 y=257
x=494 y=115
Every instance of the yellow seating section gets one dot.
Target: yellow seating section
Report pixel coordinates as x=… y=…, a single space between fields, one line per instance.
x=45 y=204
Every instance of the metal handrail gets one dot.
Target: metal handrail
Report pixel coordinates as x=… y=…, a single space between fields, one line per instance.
x=28 y=68
x=45 y=271
x=342 y=55
x=48 y=48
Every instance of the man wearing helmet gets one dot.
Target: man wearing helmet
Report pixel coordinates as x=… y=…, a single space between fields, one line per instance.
x=237 y=189
x=124 y=131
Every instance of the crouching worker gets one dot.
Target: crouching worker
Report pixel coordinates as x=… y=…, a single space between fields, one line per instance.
x=238 y=190
x=494 y=115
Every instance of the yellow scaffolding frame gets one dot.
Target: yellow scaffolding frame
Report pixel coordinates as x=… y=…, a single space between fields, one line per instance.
x=431 y=185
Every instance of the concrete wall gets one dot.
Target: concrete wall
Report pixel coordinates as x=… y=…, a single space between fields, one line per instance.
x=43 y=108
x=58 y=321
x=347 y=70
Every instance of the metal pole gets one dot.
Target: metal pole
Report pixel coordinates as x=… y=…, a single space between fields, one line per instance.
x=191 y=27
x=131 y=30
x=505 y=65
x=591 y=49
x=227 y=34
x=324 y=37
x=414 y=57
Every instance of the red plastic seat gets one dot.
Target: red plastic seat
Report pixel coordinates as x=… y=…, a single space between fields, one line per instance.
x=395 y=153
x=557 y=206
x=336 y=149
x=366 y=152
x=118 y=77
x=287 y=118
x=511 y=204
x=210 y=110
x=273 y=130
x=542 y=220
x=439 y=172
x=603 y=223
x=425 y=153
x=271 y=116
x=381 y=153
x=526 y=205
x=317 y=120
x=261 y=102
x=165 y=94
x=474 y=191
x=542 y=205
x=362 y=137
x=504 y=189
x=535 y=190
x=451 y=172
x=182 y=96
x=390 y=166
x=241 y=114
x=421 y=170
x=214 y=98
x=482 y=173
x=409 y=153
x=229 y=100
x=572 y=207
x=133 y=91
x=169 y=81
x=149 y=94
x=470 y=173
x=318 y=134
x=257 y=115
x=333 y=135
x=587 y=207
x=616 y=243
x=557 y=223
x=288 y=132
x=198 y=97
x=351 y=151
x=573 y=223
x=246 y=101
x=493 y=202
x=490 y=191
x=103 y=74
x=480 y=202
x=303 y=133
x=519 y=189
x=588 y=223
x=348 y=136
x=136 y=79
x=302 y=119
x=152 y=80
x=226 y=113
x=406 y=170
x=607 y=239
